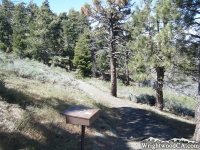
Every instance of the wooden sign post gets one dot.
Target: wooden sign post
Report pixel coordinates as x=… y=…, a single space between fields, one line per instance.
x=81 y=115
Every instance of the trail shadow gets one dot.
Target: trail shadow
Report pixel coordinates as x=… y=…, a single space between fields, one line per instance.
x=140 y=124
x=15 y=141
x=107 y=132
x=55 y=139
x=134 y=125
x=14 y=96
x=54 y=135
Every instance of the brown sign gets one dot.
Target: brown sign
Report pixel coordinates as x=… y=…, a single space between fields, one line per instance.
x=81 y=115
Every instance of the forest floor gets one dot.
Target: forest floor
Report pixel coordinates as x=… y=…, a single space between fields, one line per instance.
x=30 y=118
x=32 y=96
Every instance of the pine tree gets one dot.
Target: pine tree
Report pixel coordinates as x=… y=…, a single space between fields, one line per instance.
x=32 y=12
x=100 y=54
x=190 y=22
x=62 y=17
x=73 y=27
x=20 y=29
x=111 y=16
x=6 y=15
x=43 y=33
x=155 y=42
x=82 y=56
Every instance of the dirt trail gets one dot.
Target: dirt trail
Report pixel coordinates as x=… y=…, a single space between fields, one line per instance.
x=135 y=124
x=102 y=96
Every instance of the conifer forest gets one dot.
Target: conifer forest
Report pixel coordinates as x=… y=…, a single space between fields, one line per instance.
x=136 y=42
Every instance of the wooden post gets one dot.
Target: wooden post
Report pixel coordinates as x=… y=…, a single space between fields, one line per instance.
x=81 y=115
x=82 y=137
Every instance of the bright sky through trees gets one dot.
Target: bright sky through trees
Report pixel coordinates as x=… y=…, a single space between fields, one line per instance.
x=58 y=6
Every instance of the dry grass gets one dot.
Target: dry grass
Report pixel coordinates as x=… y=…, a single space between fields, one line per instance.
x=32 y=96
x=184 y=125
x=31 y=101
x=174 y=103
x=31 y=113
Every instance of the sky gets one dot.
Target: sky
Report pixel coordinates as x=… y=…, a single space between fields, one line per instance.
x=58 y=6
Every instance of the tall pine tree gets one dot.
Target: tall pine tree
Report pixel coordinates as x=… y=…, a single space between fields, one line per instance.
x=43 y=33
x=6 y=31
x=20 y=29
x=73 y=27
x=32 y=11
x=155 y=34
x=110 y=16
x=82 y=55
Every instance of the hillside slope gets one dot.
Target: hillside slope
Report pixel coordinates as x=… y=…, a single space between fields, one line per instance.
x=32 y=96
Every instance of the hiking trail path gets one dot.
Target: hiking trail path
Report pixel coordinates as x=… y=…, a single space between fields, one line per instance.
x=136 y=123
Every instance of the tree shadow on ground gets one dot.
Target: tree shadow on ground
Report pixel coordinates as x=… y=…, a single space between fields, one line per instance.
x=139 y=124
x=16 y=140
x=55 y=139
x=27 y=133
x=14 y=96
x=136 y=125
x=54 y=135
x=108 y=132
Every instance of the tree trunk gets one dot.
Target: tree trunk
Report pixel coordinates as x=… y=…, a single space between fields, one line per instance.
x=127 y=70
x=127 y=77
x=196 y=136
x=45 y=59
x=70 y=63
x=113 y=75
x=159 y=87
x=94 y=67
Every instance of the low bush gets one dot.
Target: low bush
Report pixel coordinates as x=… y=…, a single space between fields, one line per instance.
x=180 y=107
x=176 y=104
x=146 y=99
x=31 y=69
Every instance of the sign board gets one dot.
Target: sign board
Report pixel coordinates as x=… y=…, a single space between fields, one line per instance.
x=81 y=115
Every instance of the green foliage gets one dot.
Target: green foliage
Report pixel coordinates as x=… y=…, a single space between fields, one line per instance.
x=32 y=12
x=102 y=61
x=43 y=32
x=146 y=99
x=20 y=29
x=179 y=105
x=155 y=34
x=156 y=39
x=82 y=56
x=6 y=23
x=36 y=32
x=110 y=17
x=73 y=26
x=2 y=46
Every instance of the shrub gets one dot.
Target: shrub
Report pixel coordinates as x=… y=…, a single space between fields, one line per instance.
x=34 y=70
x=179 y=108
x=146 y=99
